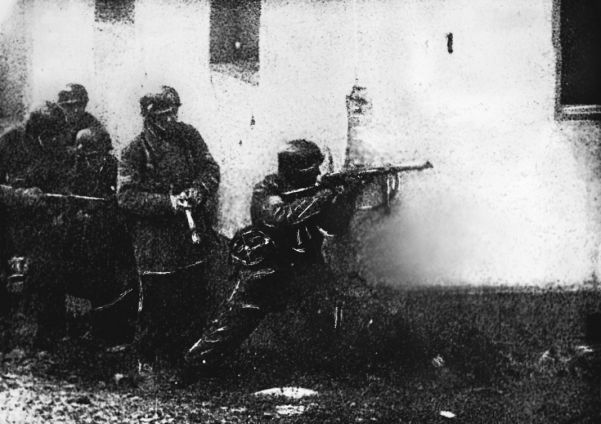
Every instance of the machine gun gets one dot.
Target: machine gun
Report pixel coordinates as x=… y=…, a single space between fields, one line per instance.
x=361 y=174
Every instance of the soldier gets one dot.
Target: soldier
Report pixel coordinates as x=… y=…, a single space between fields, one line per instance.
x=166 y=173
x=73 y=100
x=34 y=160
x=99 y=257
x=279 y=257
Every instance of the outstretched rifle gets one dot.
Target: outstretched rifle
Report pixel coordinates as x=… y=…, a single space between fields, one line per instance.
x=360 y=174
x=6 y=189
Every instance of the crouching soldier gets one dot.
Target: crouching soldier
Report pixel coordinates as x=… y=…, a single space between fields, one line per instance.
x=34 y=161
x=279 y=258
x=168 y=181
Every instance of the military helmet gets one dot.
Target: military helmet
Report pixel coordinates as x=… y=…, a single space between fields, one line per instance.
x=154 y=104
x=299 y=157
x=73 y=93
x=46 y=119
x=171 y=95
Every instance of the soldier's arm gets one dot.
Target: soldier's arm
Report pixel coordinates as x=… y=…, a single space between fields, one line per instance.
x=14 y=196
x=100 y=133
x=336 y=216
x=108 y=176
x=130 y=196
x=207 y=172
x=3 y=159
x=273 y=211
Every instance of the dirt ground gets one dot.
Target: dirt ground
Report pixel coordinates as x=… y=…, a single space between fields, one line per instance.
x=81 y=383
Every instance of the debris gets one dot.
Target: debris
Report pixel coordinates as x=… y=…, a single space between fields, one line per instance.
x=117 y=349
x=289 y=409
x=15 y=355
x=438 y=361
x=81 y=400
x=447 y=414
x=289 y=392
x=118 y=377
x=546 y=357
x=583 y=350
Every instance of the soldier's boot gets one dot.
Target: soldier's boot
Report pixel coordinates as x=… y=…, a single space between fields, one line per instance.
x=241 y=315
x=224 y=335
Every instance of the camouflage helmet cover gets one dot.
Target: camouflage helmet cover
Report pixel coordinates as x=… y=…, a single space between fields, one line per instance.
x=73 y=93
x=171 y=95
x=157 y=103
x=299 y=157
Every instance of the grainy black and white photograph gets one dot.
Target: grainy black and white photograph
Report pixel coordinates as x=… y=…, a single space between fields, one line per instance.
x=300 y=211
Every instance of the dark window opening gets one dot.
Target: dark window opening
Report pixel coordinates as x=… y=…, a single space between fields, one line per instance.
x=234 y=36
x=114 y=10
x=580 y=64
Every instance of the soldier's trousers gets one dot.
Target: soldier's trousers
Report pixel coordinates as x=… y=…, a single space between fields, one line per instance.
x=257 y=292
x=171 y=312
x=38 y=312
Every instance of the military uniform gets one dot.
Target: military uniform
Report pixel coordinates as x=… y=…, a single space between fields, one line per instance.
x=153 y=168
x=88 y=121
x=74 y=99
x=35 y=156
x=278 y=259
x=99 y=256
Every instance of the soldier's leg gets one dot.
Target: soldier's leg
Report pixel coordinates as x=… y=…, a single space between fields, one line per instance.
x=255 y=294
x=149 y=305
x=173 y=312
x=39 y=319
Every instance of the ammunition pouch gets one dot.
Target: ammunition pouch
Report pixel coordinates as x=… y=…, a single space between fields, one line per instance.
x=18 y=266
x=251 y=247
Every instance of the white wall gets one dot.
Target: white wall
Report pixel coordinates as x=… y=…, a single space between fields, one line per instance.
x=510 y=199
x=513 y=197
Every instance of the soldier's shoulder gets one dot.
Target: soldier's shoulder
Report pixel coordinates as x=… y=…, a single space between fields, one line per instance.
x=271 y=183
x=132 y=147
x=190 y=131
x=12 y=136
x=88 y=120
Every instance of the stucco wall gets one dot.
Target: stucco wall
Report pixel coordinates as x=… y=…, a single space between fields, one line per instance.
x=513 y=198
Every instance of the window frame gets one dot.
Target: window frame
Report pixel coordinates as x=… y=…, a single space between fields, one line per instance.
x=567 y=112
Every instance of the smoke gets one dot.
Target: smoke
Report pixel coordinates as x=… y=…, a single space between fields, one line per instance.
x=510 y=215
x=6 y=8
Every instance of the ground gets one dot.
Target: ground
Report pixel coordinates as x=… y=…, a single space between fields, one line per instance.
x=373 y=355
x=82 y=383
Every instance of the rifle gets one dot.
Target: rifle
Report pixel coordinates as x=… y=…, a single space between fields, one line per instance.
x=7 y=189
x=362 y=174
x=192 y=224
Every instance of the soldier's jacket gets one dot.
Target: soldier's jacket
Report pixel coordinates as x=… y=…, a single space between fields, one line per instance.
x=93 y=174
x=32 y=229
x=25 y=162
x=293 y=229
x=89 y=121
x=149 y=170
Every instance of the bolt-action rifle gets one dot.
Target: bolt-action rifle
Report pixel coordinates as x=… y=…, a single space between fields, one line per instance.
x=6 y=189
x=361 y=174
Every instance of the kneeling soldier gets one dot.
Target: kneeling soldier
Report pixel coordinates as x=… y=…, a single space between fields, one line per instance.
x=279 y=258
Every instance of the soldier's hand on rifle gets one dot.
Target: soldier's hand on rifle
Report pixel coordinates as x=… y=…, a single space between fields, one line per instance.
x=193 y=196
x=179 y=202
x=31 y=196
